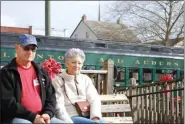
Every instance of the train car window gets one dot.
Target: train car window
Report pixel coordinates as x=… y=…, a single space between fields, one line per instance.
x=49 y=41
x=159 y=73
x=9 y=39
x=120 y=46
x=89 y=67
x=181 y=74
x=165 y=50
x=38 y=39
x=142 y=48
x=173 y=73
x=147 y=75
x=127 y=47
x=154 y=49
x=100 y=45
x=115 y=46
x=84 y=44
x=67 y=43
x=178 y=51
x=120 y=74
x=59 y=43
x=133 y=73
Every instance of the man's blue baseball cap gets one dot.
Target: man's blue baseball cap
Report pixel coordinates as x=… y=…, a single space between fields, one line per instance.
x=27 y=39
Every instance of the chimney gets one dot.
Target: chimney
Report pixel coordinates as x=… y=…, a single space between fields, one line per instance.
x=30 y=29
x=119 y=21
x=84 y=18
x=65 y=32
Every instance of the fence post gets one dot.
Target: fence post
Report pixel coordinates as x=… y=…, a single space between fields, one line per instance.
x=108 y=85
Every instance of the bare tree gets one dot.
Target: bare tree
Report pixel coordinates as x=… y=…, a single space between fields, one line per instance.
x=152 y=21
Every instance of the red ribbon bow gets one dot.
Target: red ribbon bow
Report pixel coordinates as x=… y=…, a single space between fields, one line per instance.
x=167 y=77
x=52 y=67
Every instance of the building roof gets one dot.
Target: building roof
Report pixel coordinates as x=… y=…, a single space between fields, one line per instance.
x=18 y=30
x=110 y=31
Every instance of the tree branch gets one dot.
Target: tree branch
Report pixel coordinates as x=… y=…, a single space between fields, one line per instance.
x=150 y=12
x=147 y=29
x=178 y=36
x=180 y=13
x=150 y=21
x=165 y=11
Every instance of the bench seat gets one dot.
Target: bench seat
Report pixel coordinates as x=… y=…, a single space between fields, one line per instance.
x=115 y=104
x=123 y=120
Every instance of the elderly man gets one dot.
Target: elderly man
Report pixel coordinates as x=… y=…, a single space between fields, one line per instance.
x=27 y=93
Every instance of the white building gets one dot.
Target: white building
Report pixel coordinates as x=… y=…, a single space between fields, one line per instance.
x=98 y=30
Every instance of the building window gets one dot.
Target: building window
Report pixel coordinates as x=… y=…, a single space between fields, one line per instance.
x=87 y=34
x=76 y=35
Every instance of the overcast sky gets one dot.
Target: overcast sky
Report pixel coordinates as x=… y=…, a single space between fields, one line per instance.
x=64 y=14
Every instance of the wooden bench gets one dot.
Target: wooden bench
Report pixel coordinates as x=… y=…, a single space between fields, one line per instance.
x=116 y=105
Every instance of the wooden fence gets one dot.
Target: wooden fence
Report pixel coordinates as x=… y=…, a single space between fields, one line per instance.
x=161 y=102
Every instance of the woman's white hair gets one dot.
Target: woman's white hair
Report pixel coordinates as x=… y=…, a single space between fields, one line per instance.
x=75 y=52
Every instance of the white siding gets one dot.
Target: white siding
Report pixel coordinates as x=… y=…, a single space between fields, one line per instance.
x=81 y=30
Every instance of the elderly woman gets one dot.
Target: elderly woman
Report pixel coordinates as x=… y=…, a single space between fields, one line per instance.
x=71 y=87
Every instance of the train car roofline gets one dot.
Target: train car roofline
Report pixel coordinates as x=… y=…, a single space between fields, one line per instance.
x=115 y=52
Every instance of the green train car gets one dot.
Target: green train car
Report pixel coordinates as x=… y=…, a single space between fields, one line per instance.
x=144 y=62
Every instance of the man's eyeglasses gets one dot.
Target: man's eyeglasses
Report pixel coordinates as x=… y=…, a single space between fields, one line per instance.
x=27 y=48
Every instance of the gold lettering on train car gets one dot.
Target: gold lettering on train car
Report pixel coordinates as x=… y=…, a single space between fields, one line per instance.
x=120 y=61
x=50 y=56
x=168 y=64
x=5 y=55
x=153 y=62
x=61 y=57
x=145 y=62
x=161 y=63
x=40 y=56
x=137 y=62
x=175 y=63
x=101 y=60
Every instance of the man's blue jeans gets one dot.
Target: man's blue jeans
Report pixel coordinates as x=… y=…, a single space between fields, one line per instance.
x=20 y=120
x=78 y=119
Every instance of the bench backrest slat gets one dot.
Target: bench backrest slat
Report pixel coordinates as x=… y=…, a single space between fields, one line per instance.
x=113 y=98
x=115 y=108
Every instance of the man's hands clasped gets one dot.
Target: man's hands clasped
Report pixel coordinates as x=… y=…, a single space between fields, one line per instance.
x=42 y=119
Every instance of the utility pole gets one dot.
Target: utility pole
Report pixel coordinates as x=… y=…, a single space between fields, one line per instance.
x=47 y=18
x=99 y=12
